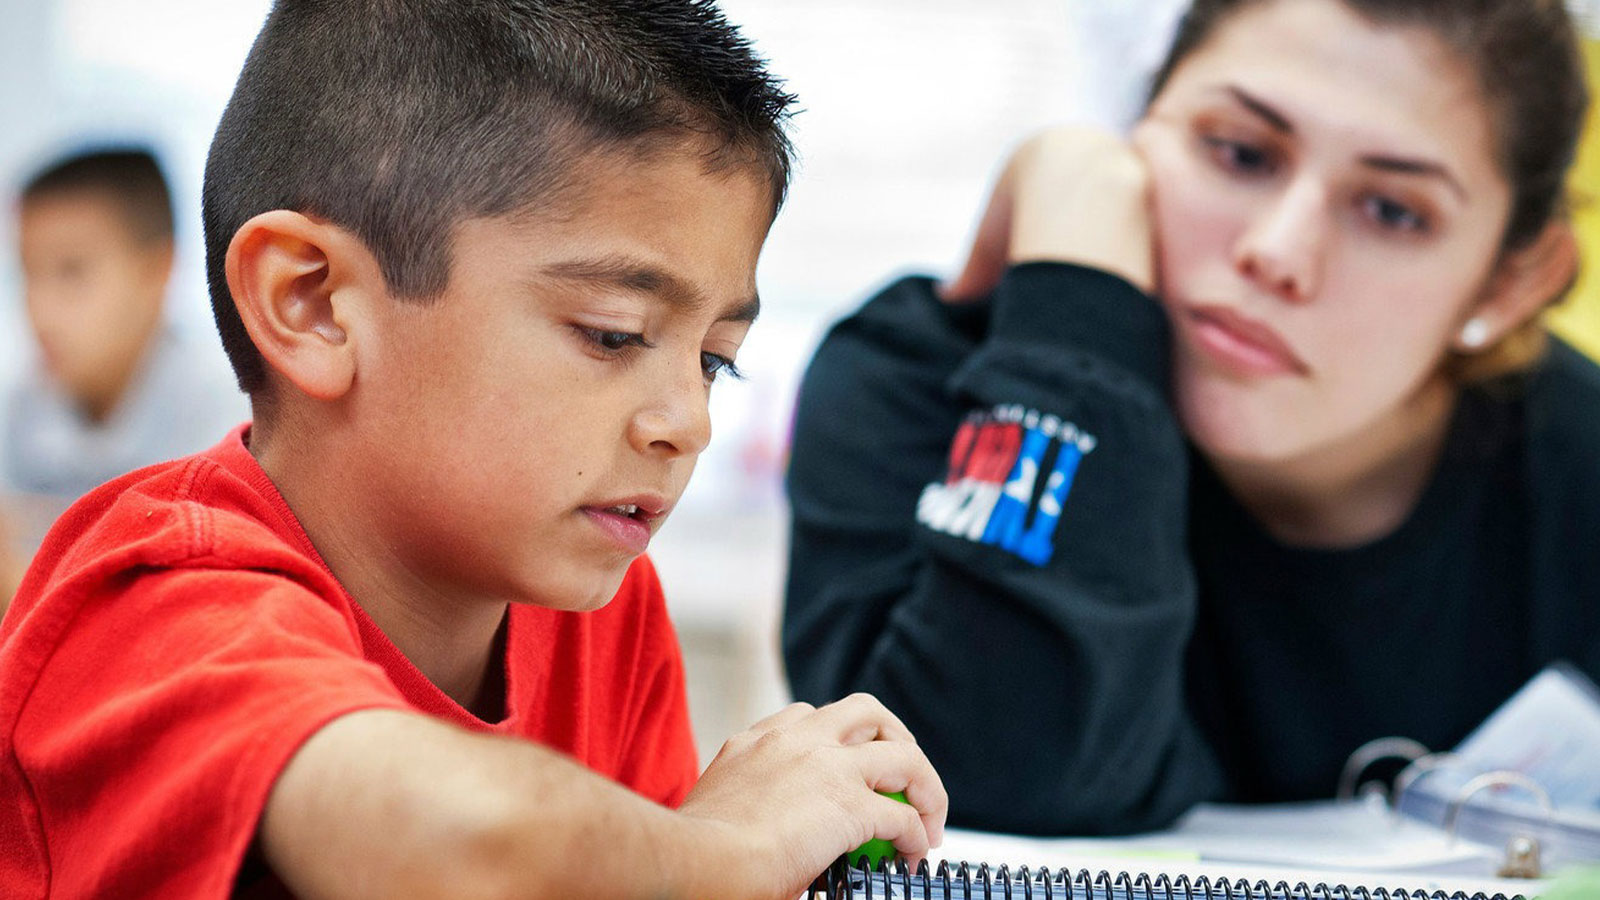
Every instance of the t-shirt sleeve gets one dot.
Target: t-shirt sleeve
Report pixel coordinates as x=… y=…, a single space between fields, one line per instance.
x=153 y=733
x=658 y=757
x=661 y=761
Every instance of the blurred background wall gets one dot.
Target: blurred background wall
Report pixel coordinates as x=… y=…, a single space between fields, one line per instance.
x=1578 y=319
x=908 y=106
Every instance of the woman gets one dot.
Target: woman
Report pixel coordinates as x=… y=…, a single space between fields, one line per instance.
x=1108 y=557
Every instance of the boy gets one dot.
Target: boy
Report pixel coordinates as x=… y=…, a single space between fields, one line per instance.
x=476 y=262
x=117 y=387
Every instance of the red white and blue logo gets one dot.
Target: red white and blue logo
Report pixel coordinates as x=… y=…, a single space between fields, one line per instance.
x=1010 y=471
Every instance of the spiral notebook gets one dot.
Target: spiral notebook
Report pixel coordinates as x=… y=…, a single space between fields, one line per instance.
x=968 y=882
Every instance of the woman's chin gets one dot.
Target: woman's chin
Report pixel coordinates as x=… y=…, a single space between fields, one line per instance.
x=1238 y=433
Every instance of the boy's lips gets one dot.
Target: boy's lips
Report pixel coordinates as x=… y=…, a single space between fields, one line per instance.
x=629 y=521
x=1241 y=344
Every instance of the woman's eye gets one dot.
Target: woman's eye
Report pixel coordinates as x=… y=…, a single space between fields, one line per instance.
x=1236 y=156
x=714 y=364
x=1394 y=216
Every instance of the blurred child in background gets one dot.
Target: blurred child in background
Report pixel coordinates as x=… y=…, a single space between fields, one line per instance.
x=115 y=386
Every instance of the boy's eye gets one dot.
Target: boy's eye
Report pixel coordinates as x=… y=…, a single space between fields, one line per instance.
x=714 y=364
x=1393 y=216
x=613 y=341
x=1240 y=157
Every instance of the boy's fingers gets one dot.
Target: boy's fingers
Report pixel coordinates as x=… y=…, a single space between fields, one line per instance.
x=783 y=718
x=899 y=824
x=857 y=719
x=932 y=803
x=889 y=766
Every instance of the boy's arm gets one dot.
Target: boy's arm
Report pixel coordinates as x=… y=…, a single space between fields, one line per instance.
x=385 y=803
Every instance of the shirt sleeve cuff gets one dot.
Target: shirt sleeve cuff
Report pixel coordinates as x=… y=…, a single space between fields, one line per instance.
x=1071 y=306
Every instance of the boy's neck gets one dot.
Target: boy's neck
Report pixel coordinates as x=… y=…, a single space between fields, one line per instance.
x=456 y=642
x=1356 y=490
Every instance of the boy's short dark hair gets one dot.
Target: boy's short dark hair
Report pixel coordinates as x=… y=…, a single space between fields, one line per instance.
x=129 y=176
x=397 y=119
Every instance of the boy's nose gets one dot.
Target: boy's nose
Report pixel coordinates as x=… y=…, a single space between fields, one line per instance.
x=1283 y=246
x=677 y=421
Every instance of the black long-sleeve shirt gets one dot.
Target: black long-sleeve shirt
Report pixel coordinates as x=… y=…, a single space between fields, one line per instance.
x=1000 y=531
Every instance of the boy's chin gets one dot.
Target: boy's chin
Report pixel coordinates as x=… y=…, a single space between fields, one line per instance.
x=583 y=591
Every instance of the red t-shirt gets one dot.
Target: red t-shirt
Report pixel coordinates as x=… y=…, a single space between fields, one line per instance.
x=177 y=639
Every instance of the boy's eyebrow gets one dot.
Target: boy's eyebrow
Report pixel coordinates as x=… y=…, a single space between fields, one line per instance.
x=643 y=278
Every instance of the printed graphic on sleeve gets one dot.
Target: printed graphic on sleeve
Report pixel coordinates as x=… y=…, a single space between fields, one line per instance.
x=1009 y=474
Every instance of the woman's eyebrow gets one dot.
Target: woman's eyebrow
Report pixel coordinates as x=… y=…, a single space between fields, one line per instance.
x=1261 y=108
x=1383 y=162
x=1423 y=167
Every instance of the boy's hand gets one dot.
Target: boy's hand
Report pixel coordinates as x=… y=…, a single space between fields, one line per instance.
x=1066 y=195
x=801 y=787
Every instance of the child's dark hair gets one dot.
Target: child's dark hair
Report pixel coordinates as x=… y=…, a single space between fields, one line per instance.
x=397 y=119
x=129 y=176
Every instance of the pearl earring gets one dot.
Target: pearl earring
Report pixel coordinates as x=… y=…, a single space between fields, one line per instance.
x=1475 y=334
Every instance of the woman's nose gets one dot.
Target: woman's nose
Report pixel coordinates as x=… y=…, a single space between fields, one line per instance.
x=1283 y=247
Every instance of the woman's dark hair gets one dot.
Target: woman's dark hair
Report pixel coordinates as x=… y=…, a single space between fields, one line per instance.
x=1527 y=59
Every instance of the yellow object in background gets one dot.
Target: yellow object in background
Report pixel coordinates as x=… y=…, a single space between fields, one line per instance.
x=1578 y=317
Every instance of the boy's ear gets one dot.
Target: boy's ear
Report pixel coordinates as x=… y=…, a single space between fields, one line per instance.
x=1522 y=284
x=298 y=284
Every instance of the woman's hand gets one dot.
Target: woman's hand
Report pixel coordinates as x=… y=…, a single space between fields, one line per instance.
x=1066 y=195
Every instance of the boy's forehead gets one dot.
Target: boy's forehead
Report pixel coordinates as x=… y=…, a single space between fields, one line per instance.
x=667 y=166
x=74 y=209
x=664 y=226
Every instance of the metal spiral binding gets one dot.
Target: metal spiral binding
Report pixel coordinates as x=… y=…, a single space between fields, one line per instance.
x=962 y=882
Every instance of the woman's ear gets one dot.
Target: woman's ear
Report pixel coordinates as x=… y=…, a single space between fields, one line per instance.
x=298 y=283
x=1524 y=282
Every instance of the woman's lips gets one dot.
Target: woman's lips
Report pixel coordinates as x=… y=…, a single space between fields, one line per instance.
x=1241 y=345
